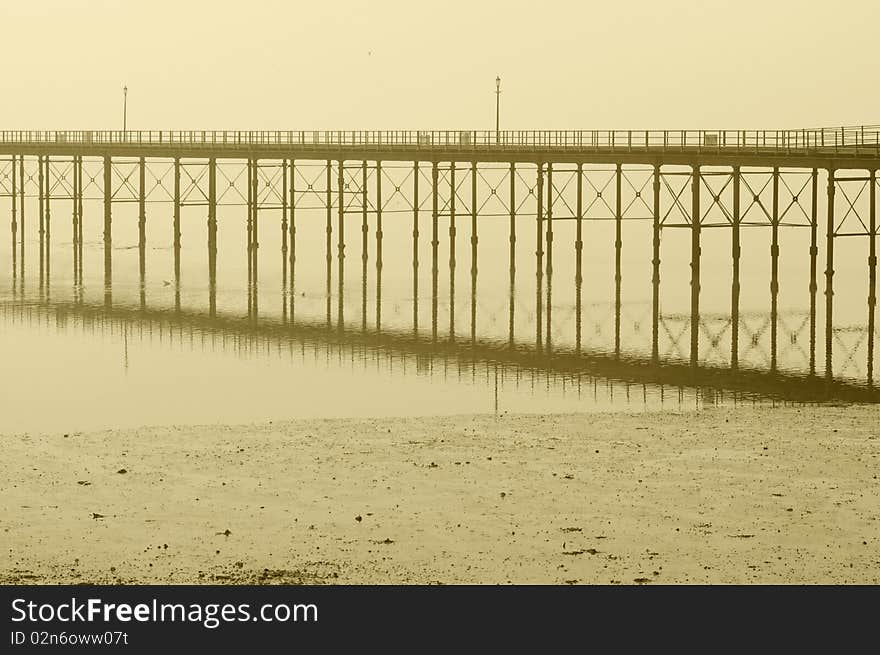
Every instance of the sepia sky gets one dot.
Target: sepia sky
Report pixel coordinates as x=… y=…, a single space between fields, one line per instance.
x=403 y=64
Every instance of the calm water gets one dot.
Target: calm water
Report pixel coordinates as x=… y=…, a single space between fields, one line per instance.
x=72 y=362
x=105 y=373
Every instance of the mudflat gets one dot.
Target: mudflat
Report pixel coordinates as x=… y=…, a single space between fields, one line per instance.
x=725 y=495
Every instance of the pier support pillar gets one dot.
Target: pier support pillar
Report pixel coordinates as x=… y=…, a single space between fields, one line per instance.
x=539 y=260
x=814 y=251
x=250 y=227
x=452 y=195
x=774 y=272
x=48 y=200
x=872 y=271
x=735 y=253
x=473 y=252
x=42 y=224
x=512 y=256
x=14 y=228
x=292 y=239
x=655 y=278
x=79 y=205
x=548 y=338
x=108 y=228
x=212 y=237
x=578 y=254
x=74 y=240
x=379 y=237
x=434 y=243
x=79 y=212
x=365 y=228
x=829 y=278
x=415 y=248
x=78 y=243
x=328 y=244
x=255 y=238
x=695 y=265
x=21 y=220
x=618 y=248
x=142 y=231
x=176 y=233
x=284 y=233
x=340 y=246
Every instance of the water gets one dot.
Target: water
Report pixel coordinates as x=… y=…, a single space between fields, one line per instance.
x=73 y=361
x=97 y=372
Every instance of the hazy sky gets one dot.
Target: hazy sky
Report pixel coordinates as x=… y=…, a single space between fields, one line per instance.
x=404 y=64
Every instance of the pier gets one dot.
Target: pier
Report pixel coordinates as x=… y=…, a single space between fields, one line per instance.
x=690 y=180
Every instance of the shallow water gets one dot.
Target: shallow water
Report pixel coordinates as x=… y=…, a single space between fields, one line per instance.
x=73 y=373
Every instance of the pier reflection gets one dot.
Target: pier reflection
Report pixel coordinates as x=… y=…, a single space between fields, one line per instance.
x=406 y=352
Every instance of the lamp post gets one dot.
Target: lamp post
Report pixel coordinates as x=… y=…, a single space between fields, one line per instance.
x=124 y=108
x=497 y=109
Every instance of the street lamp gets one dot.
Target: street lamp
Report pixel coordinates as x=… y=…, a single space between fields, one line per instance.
x=497 y=109
x=124 y=108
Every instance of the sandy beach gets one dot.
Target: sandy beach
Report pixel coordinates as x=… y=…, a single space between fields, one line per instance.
x=735 y=495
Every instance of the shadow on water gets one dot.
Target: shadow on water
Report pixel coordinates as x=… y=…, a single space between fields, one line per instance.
x=706 y=379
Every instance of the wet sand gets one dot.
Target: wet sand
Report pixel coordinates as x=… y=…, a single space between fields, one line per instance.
x=748 y=494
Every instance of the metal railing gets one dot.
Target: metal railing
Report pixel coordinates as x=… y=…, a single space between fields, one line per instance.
x=837 y=139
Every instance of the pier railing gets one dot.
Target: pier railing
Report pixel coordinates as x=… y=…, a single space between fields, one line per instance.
x=833 y=139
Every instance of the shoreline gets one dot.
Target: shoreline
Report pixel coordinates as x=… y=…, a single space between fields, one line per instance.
x=716 y=495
